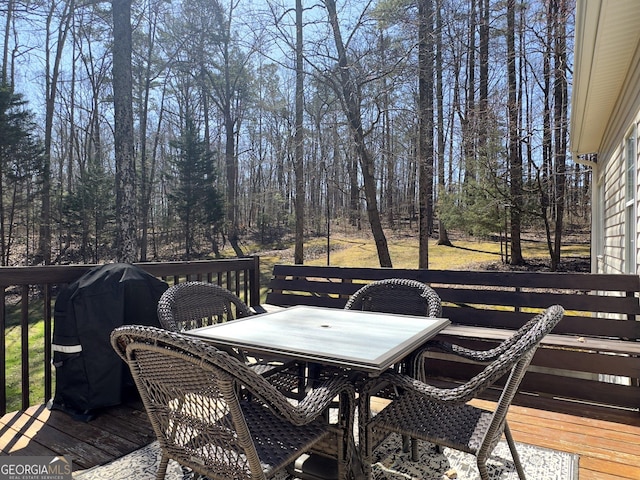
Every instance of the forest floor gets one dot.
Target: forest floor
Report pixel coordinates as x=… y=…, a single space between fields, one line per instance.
x=357 y=248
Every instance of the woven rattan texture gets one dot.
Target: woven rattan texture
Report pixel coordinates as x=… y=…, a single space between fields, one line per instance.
x=190 y=305
x=443 y=417
x=196 y=398
x=397 y=295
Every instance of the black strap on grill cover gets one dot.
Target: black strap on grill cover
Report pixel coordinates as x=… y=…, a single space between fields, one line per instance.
x=89 y=374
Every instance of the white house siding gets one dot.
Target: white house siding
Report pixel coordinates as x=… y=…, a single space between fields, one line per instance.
x=612 y=176
x=605 y=109
x=613 y=221
x=611 y=171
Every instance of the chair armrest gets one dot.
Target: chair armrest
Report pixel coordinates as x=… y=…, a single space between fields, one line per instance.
x=482 y=356
x=459 y=394
x=322 y=396
x=408 y=383
x=304 y=411
x=315 y=403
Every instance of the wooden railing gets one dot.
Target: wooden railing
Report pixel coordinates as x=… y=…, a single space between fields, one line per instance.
x=598 y=341
x=28 y=295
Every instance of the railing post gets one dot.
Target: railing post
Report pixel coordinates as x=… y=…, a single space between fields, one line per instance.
x=3 y=353
x=254 y=295
x=48 y=335
x=24 y=328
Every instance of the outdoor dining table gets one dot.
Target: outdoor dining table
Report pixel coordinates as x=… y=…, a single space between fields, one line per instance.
x=364 y=343
x=367 y=342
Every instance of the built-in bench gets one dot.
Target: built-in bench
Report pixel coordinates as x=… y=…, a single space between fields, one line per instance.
x=592 y=357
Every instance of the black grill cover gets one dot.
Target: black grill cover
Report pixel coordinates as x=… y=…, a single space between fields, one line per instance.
x=89 y=374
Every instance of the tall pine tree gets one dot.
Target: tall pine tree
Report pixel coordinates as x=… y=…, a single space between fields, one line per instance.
x=197 y=202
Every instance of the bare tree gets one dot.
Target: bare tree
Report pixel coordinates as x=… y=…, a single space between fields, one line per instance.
x=126 y=243
x=4 y=73
x=515 y=157
x=52 y=74
x=351 y=103
x=560 y=108
x=228 y=84
x=149 y=70
x=299 y=140
x=443 y=237
x=425 y=130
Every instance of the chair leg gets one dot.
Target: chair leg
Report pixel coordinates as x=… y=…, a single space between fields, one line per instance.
x=406 y=441
x=514 y=452
x=366 y=449
x=162 y=468
x=482 y=468
x=414 y=450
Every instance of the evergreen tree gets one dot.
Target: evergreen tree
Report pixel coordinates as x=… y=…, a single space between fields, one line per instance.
x=90 y=212
x=20 y=164
x=196 y=200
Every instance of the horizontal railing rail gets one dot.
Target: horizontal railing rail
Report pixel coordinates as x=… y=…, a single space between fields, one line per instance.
x=28 y=295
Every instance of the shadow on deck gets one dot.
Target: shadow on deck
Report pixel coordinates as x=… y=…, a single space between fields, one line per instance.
x=39 y=431
x=608 y=450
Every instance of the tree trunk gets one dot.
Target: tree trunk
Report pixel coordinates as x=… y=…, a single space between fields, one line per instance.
x=351 y=99
x=225 y=103
x=4 y=79
x=483 y=100
x=44 y=247
x=443 y=237
x=387 y=153
x=545 y=175
x=560 y=117
x=123 y=132
x=354 y=192
x=299 y=141
x=425 y=131
x=146 y=167
x=468 y=119
x=515 y=159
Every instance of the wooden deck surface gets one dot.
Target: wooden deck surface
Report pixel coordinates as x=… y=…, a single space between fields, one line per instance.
x=608 y=450
x=40 y=431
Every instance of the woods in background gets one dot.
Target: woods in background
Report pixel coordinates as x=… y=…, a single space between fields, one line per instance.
x=256 y=120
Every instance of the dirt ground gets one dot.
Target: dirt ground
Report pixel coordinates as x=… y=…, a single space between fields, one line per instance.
x=567 y=264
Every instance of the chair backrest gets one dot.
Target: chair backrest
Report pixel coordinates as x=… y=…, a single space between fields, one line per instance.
x=197 y=304
x=191 y=393
x=397 y=295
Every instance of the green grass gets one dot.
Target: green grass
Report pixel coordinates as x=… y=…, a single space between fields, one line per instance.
x=13 y=364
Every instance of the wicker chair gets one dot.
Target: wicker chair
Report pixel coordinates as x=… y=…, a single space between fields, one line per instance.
x=443 y=416
x=190 y=305
x=397 y=295
x=190 y=392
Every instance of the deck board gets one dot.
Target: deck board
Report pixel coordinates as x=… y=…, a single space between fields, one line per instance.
x=112 y=434
x=608 y=450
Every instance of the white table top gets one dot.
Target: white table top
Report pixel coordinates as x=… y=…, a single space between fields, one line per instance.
x=365 y=341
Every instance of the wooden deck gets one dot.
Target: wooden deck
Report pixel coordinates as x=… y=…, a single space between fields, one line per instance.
x=40 y=431
x=608 y=450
